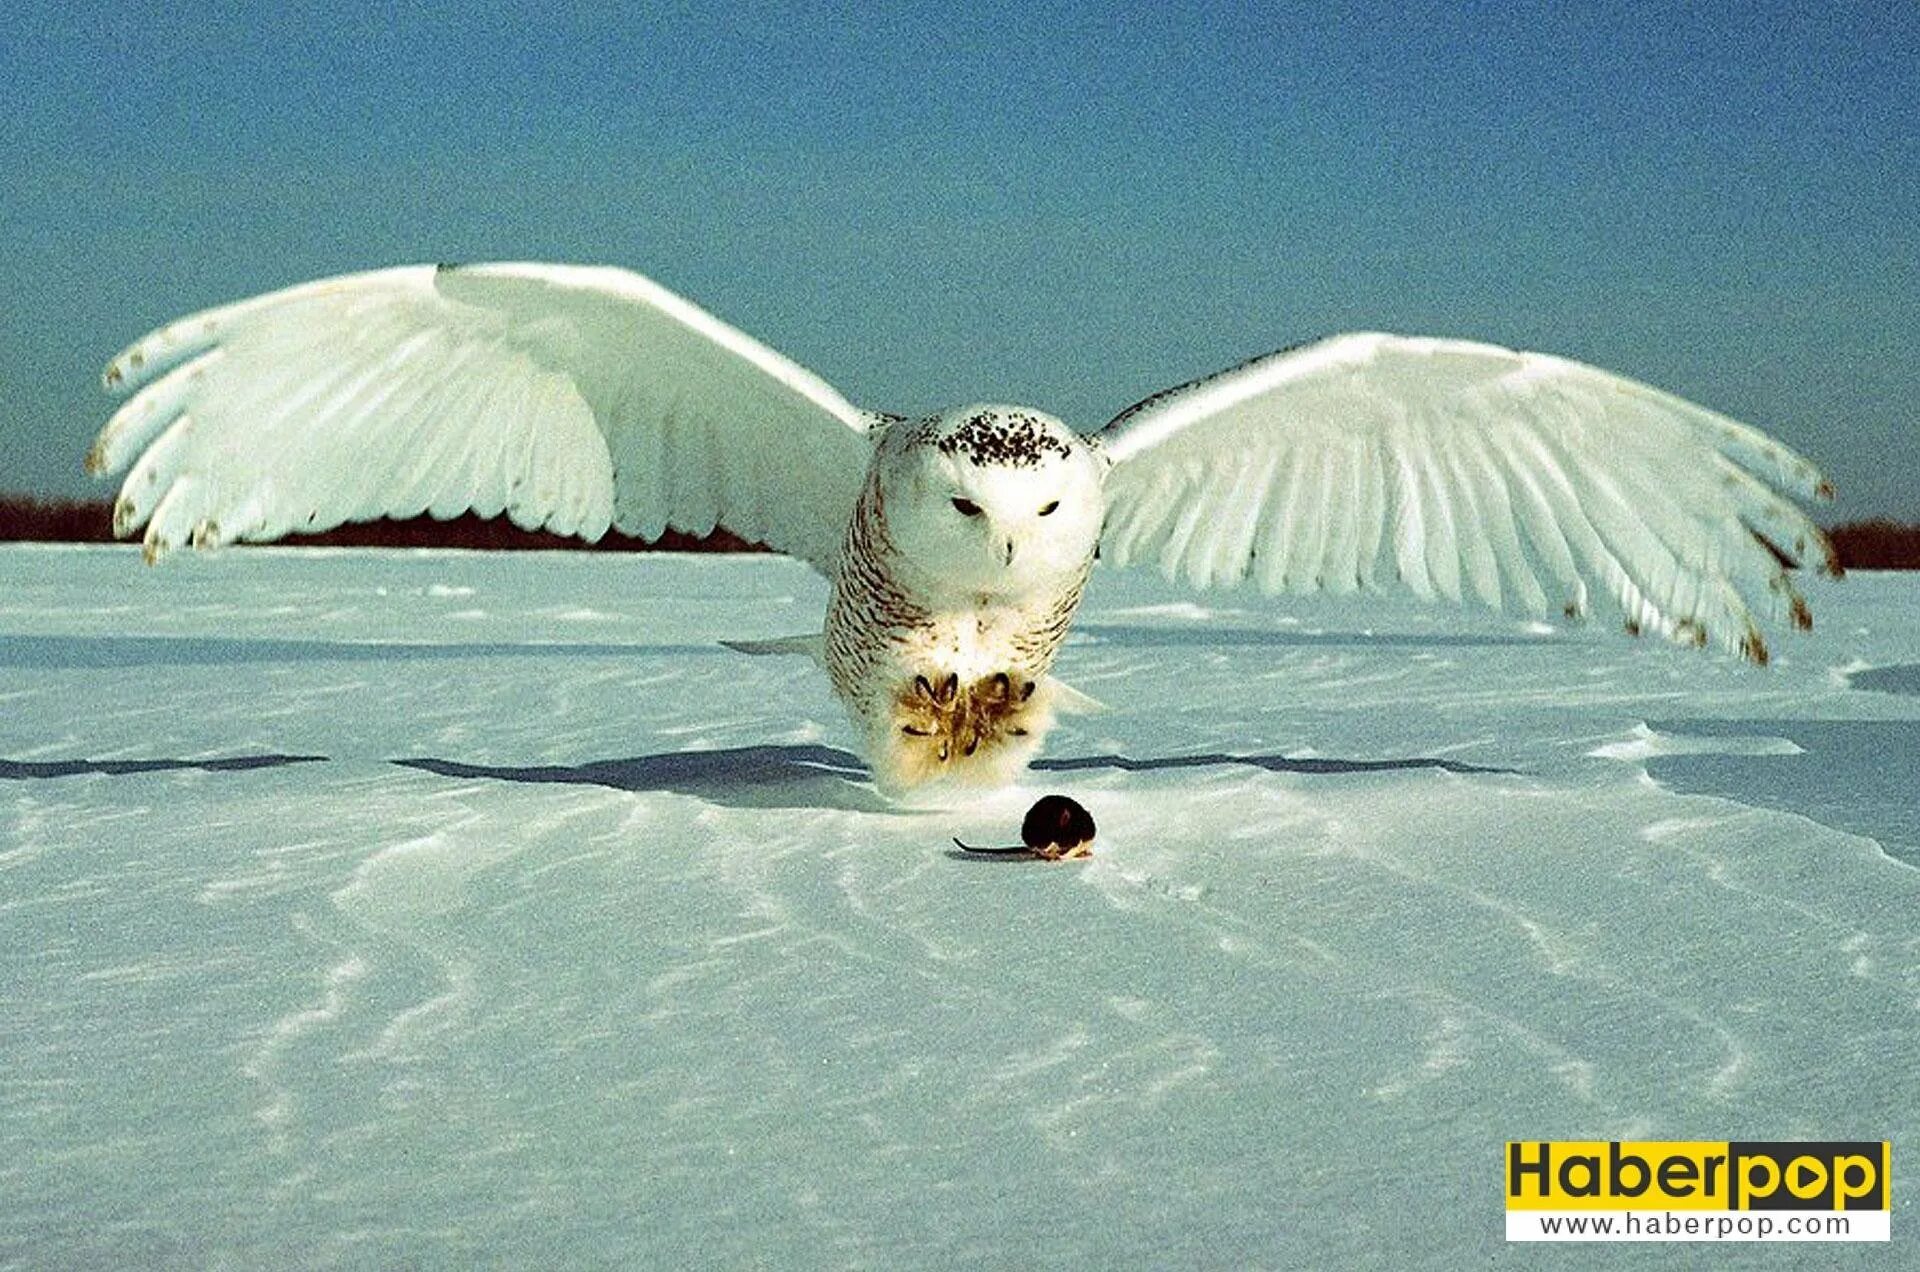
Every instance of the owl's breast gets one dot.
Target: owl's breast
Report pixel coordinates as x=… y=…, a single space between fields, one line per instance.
x=879 y=642
x=972 y=643
x=890 y=620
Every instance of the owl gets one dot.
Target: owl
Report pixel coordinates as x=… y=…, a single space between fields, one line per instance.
x=957 y=546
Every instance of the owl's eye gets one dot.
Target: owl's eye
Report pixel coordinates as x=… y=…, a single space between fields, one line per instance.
x=1050 y=509
x=966 y=507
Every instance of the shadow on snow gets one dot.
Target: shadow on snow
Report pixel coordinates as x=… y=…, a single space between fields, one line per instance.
x=22 y=769
x=801 y=776
x=1898 y=678
x=739 y=777
x=102 y=653
x=1857 y=776
x=810 y=776
x=1271 y=763
x=1239 y=637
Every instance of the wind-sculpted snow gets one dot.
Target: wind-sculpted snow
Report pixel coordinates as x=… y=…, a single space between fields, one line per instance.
x=388 y=909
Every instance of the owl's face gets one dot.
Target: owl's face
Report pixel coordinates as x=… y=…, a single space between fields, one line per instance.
x=992 y=500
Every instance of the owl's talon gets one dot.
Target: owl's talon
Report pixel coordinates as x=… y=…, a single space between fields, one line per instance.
x=942 y=725
x=941 y=696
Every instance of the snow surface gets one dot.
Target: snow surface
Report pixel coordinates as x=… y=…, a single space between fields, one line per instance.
x=438 y=909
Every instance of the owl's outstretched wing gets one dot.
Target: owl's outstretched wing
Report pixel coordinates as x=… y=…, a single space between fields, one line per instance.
x=1464 y=471
x=567 y=397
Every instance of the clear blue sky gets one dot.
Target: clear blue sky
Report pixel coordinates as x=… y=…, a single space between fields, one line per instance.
x=1071 y=205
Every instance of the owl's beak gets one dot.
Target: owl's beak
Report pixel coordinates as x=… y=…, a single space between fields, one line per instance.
x=1009 y=551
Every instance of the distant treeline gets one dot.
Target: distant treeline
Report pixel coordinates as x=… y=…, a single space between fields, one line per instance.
x=1879 y=544
x=24 y=519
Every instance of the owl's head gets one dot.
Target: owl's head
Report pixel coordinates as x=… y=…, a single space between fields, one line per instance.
x=992 y=500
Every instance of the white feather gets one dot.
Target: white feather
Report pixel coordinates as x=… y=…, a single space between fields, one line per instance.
x=567 y=397
x=1518 y=480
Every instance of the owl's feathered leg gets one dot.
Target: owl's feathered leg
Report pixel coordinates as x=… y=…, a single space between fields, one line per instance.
x=977 y=734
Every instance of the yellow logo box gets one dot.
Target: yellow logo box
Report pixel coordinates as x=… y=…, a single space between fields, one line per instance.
x=1699 y=1175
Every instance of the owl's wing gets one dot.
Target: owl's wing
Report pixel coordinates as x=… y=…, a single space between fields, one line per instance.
x=1468 y=472
x=567 y=397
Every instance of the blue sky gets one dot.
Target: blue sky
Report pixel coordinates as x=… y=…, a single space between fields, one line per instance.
x=1070 y=205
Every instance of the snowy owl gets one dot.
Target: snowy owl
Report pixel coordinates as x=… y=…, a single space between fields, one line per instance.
x=957 y=546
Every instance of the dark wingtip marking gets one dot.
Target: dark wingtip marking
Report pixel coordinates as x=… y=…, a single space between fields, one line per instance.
x=1830 y=559
x=1781 y=557
x=1798 y=612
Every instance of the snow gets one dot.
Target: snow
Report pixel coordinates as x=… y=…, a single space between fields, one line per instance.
x=378 y=909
